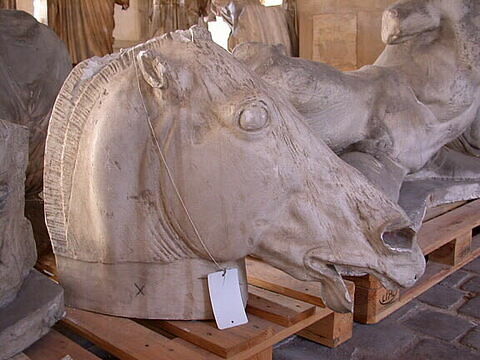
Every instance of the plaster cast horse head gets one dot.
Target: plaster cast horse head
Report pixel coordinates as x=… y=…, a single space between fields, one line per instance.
x=251 y=176
x=392 y=120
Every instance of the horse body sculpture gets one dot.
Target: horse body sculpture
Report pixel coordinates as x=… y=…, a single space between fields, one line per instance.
x=251 y=176
x=392 y=120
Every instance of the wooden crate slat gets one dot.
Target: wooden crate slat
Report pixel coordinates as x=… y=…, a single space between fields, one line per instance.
x=55 y=346
x=267 y=277
x=277 y=308
x=202 y=352
x=124 y=338
x=436 y=211
x=225 y=343
x=441 y=230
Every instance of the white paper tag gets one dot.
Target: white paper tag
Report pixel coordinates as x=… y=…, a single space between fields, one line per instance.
x=226 y=299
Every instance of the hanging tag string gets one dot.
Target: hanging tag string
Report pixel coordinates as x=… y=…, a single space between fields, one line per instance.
x=169 y=173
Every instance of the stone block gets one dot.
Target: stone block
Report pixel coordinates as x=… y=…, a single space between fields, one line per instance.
x=442 y=297
x=472 y=285
x=334 y=40
x=473 y=266
x=455 y=279
x=471 y=308
x=439 y=325
x=393 y=337
x=434 y=349
x=38 y=305
x=472 y=339
x=369 y=41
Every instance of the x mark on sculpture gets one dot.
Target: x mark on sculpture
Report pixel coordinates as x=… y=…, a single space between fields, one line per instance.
x=140 y=289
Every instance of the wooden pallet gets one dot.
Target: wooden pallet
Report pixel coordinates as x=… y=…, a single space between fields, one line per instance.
x=446 y=237
x=294 y=307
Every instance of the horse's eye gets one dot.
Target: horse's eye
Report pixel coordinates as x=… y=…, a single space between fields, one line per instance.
x=254 y=117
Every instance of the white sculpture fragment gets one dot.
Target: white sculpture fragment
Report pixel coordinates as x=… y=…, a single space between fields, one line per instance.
x=251 y=179
x=393 y=120
x=29 y=302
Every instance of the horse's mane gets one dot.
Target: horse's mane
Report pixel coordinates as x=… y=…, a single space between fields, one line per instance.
x=71 y=111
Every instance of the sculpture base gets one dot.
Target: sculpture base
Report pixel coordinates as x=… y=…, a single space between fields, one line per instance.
x=38 y=305
x=174 y=291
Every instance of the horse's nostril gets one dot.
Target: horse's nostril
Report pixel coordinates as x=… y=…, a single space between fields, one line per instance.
x=399 y=239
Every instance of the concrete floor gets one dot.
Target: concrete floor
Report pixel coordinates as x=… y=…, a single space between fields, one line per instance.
x=442 y=324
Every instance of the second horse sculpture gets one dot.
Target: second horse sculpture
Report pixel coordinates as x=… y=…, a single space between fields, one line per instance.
x=393 y=120
x=250 y=178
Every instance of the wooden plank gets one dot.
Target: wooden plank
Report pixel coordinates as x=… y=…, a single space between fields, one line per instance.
x=277 y=308
x=55 y=346
x=124 y=338
x=437 y=232
x=264 y=355
x=225 y=343
x=442 y=209
x=267 y=277
x=434 y=273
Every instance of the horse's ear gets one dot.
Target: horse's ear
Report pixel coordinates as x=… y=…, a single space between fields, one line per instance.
x=152 y=69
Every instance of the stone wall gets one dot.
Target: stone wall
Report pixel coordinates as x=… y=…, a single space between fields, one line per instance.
x=342 y=33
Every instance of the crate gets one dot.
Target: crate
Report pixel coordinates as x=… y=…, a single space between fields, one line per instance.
x=446 y=238
x=277 y=308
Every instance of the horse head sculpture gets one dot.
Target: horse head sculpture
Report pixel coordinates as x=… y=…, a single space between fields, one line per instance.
x=172 y=155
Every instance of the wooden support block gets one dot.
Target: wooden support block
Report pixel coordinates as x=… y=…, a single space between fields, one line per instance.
x=371 y=301
x=55 y=346
x=332 y=331
x=264 y=355
x=453 y=252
